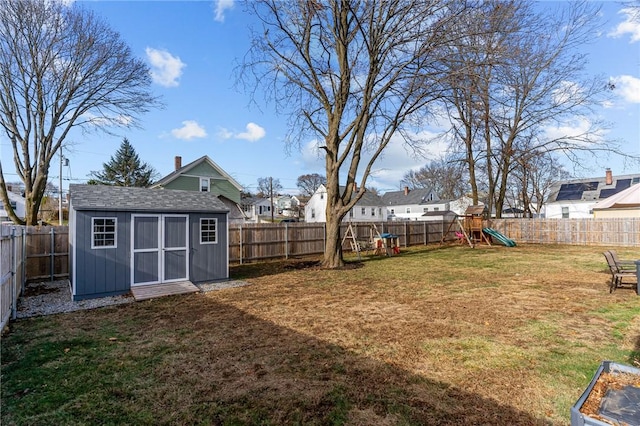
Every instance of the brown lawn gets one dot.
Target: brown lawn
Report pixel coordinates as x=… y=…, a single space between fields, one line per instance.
x=449 y=335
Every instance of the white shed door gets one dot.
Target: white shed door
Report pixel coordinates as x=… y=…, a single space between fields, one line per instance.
x=159 y=249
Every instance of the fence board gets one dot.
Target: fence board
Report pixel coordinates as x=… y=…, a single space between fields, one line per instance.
x=12 y=270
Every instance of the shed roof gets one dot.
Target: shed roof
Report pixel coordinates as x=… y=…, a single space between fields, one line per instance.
x=102 y=197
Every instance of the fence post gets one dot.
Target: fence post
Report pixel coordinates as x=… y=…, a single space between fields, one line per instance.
x=405 y=236
x=14 y=296
x=240 y=244
x=286 y=240
x=24 y=259
x=324 y=236
x=51 y=255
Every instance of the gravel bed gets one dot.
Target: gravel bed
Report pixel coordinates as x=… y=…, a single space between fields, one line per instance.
x=54 y=297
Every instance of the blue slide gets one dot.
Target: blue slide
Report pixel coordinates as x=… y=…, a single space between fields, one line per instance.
x=498 y=236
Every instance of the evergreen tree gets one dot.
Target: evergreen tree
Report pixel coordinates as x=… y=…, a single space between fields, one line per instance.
x=124 y=169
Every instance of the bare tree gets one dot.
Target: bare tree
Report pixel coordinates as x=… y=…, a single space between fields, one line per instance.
x=444 y=176
x=309 y=183
x=523 y=77
x=60 y=68
x=353 y=74
x=269 y=187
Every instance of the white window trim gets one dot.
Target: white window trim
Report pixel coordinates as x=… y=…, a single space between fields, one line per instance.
x=208 y=181
x=200 y=230
x=115 y=233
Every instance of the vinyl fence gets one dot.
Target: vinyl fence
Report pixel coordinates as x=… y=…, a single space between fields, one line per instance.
x=12 y=270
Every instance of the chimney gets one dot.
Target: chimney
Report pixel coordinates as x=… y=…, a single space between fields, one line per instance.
x=178 y=162
x=406 y=190
x=608 y=177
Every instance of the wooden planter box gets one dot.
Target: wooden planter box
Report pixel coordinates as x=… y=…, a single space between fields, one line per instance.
x=610 y=413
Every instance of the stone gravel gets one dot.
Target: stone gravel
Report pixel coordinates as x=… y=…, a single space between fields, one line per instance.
x=54 y=297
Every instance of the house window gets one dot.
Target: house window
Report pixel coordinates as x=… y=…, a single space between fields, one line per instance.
x=313 y=213
x=426 y=209
x=322 y=195
x=14 y=205
x=393 y=211
x=380 y=211
x=435 y=209
x=208 y=231
x=363 y=211
x=103 y=232
x=351 y=213
x=408 y=210
x=565 y=212
x=204 y=184
x=373 y=212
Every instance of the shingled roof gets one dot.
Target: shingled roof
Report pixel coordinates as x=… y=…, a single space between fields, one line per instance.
x=401 y=198
x=118 y=198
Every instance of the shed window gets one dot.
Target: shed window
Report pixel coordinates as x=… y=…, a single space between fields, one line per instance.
x=103 y=232
x=204 y=184
x=208 y=231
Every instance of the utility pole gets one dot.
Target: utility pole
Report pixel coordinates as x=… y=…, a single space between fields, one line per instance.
x=60 y=190
x=271 y=195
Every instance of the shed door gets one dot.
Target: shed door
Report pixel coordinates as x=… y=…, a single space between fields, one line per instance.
x=160 y=249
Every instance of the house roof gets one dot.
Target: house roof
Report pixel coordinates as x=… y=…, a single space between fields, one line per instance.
x=185 y=169
x=629 y=198
x=118 y=198
x=368 y=198
x=414 y=196
x=593 y=189
x=235 y=212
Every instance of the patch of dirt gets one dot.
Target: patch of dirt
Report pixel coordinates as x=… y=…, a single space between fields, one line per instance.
x=38 y=289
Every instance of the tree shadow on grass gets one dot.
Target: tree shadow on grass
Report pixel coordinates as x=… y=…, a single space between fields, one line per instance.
x=192 y=360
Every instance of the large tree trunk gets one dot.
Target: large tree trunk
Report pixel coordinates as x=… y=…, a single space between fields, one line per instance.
x=333 y=249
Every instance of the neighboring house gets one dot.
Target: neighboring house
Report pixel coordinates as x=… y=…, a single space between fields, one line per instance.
x=17 y=203
x=577 y=198
x=370 y=208
x=287 y=205
x=256 y=207
x=411 y=204
x=624 y=204
x=121 y=237
x=204 y=175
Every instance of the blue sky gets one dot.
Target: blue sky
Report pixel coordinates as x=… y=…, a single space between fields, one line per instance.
x=192 y=48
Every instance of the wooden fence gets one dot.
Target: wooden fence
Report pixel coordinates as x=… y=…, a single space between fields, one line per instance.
x=251 y=242
x=613 y=232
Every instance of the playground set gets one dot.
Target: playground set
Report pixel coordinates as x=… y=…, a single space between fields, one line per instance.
x=471 y=230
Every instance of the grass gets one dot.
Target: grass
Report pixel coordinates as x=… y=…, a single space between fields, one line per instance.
x=438 y=335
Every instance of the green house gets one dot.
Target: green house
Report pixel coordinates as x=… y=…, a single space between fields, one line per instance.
x=204 y=175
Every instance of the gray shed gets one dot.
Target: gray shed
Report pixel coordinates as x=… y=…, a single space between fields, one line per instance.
x=123 y=237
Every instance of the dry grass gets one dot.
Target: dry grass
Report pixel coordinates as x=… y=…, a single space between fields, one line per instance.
x=435 y=336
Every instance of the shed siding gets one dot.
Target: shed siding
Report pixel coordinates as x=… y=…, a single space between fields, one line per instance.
x=209 y=262
x=101 y=272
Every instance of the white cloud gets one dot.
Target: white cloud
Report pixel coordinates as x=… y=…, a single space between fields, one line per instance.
x=253 y=133
x=574 y=129
x=166 y=69
x=190 y=129
x=628 y=87
x=628 y=26
x=221 y=7
x=566 y=91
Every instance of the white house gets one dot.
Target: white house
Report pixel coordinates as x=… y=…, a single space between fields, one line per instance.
x=369 y=208
x=256 y=207
x=411 y=204
x=577 y=198
x=17 y=203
